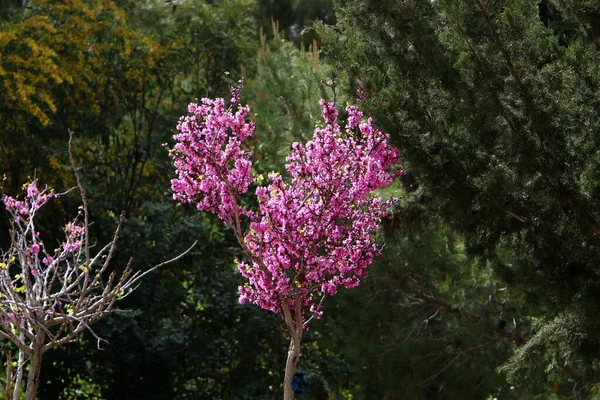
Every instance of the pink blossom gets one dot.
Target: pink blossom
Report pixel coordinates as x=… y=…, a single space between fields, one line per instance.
x=34 y=200
x=354 y=117
x=330 y=113
x=74 y=235
x=32 y=190
x=311 y=233
x=212 y=170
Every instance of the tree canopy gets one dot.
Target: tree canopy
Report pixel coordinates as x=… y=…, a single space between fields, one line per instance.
x=494 y=105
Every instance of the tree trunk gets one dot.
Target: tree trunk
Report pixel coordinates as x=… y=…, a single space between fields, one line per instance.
x=16 y=388
x=35 y=367
x=290 y=369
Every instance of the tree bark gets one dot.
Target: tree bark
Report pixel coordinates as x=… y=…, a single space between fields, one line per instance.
x=16 y=389
x=35 y=367
x=290 y=368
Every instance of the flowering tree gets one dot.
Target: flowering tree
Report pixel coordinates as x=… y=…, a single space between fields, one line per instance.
x=311 y=233
x=50 y=296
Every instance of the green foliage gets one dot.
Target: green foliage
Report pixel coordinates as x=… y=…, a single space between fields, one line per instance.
x=284 y=96
x=187 y=336
x=434 y=323
x=219 y=39
x=496 y=111
x=214 y=42
x=52 y=71
x=10 y=9
x=293 y=16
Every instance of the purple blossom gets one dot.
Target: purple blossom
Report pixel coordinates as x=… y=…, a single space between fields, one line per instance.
x=22 y=211
x=310 y=234
x=34 y=248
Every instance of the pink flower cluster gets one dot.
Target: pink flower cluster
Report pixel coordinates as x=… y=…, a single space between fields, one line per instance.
x=25 y=208
x=75 y=234
x=28 y=238
x=212 y=170
x=311 y=233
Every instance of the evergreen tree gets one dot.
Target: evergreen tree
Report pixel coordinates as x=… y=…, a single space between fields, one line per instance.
x=435 y=325
x=495 y=107
x=284 y=96
x=293 y=16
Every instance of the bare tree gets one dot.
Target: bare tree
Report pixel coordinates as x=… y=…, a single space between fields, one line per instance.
x=49 y=297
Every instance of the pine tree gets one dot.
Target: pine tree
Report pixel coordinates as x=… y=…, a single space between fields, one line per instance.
x=495 y=106
x=284 y=96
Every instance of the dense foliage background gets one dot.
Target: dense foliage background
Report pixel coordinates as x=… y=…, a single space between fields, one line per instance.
x=488 y=287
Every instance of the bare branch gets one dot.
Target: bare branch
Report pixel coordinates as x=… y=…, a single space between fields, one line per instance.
x=50 y=298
